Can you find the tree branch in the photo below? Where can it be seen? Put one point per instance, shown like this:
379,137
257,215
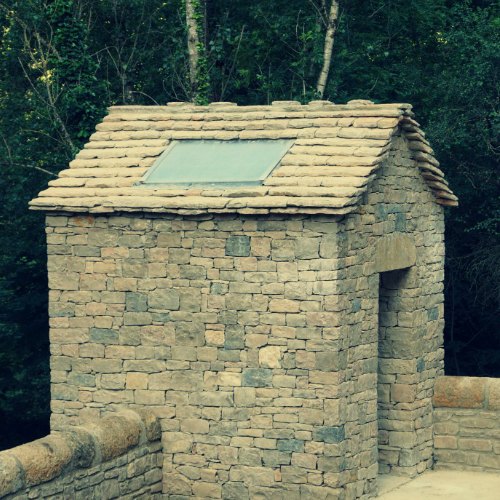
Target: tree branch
33,167
226,83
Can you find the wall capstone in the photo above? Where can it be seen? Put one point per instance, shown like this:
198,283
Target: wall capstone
76,447
467,423
461,392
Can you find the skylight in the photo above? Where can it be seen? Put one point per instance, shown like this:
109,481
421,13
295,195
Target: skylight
216,163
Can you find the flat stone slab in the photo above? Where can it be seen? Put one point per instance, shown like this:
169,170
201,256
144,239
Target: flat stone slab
441,484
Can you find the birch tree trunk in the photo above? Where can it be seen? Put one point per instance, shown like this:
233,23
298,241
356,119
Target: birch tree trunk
198,74
328,48
193,42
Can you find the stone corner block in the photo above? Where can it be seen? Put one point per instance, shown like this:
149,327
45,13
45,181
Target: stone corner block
334,434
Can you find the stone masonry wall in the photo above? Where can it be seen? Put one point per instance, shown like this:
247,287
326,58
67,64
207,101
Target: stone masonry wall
255,340
119,456
467,423
392,326
226,327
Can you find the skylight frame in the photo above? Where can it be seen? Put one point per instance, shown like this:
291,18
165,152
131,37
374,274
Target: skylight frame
275,160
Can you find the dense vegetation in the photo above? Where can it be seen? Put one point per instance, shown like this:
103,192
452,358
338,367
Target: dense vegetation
63,61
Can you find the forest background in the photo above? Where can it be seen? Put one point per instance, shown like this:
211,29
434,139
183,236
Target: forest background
62,62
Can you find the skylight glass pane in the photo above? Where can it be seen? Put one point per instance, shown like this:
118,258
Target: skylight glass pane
208,162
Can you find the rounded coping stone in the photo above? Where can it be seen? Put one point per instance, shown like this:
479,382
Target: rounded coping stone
151,424
178,104
11,474
286,103
319,103
221,104
360,102
467,392
459,392
115,434
493,394
76,447
43,459
83,444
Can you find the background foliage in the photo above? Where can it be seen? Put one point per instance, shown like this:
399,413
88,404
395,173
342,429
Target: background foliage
62,62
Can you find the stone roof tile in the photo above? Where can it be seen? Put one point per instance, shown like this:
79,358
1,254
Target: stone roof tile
337,150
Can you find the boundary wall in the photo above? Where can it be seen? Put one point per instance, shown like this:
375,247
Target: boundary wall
467,423
117,456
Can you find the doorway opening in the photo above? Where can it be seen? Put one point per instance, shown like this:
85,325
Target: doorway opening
392,350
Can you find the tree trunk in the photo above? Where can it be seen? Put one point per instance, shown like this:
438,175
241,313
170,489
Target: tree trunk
328,48
198,74
193,41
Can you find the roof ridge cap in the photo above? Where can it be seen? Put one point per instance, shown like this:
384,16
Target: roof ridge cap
275,105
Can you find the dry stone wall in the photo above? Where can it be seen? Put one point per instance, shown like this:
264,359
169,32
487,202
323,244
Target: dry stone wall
392,324
118,456
255,339
226,327
467,423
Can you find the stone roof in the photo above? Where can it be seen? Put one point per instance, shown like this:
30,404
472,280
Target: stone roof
336,153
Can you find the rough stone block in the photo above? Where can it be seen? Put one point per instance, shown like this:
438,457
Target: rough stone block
257,377
164,299
307,248
293,475
212,398
229,379
234,337
238,246
235,491
103,335
447,442
304,460
190,300
189,334
207,490
271,458
136,302
149,397
244,396
402,439
475,444
178,380
403,393
490,461
331,360
270,357
195,426
334,434
136,381
290,445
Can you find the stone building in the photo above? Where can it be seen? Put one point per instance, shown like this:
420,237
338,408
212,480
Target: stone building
267,279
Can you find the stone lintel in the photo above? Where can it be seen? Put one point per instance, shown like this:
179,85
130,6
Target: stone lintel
395,251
